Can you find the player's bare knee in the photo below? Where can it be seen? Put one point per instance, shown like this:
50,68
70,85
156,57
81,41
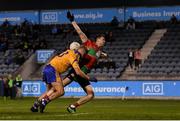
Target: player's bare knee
90,95
60,92
89,92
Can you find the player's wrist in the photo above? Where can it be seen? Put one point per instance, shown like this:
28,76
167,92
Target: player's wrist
88,77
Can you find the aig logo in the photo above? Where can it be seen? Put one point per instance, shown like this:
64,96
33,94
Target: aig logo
43,55
31,88
49,17
152,88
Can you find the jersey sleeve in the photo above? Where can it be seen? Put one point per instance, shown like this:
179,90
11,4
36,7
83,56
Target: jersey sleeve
87,43
74,61
92,61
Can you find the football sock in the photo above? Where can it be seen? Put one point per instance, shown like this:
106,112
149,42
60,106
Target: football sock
36,104
75,105
45,100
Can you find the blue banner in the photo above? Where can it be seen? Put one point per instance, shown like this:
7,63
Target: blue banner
154,13
112,88
43,55
17,17
82,16
33,88
91,15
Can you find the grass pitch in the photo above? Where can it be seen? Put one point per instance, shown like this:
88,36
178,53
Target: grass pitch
104,109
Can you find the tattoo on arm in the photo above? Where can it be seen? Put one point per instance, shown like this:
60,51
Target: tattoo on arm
79,31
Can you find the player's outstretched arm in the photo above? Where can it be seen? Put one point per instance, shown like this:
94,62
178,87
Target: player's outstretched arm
81,34
81,73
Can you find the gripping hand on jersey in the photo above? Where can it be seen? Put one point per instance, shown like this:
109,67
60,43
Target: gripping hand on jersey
70,16
92,79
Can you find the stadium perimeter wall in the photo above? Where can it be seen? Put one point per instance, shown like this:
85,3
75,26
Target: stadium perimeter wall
136,89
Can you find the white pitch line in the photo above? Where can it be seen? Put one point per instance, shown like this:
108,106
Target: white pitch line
75,114
59,115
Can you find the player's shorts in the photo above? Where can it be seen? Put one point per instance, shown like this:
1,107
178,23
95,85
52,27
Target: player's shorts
50,75
80,80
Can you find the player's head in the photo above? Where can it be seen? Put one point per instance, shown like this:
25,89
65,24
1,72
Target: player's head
100,40
74,46
82,50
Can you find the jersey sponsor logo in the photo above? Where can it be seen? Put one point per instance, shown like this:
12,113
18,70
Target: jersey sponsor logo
31,88
50,17
153,89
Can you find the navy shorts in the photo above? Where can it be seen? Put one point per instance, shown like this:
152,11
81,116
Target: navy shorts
50,75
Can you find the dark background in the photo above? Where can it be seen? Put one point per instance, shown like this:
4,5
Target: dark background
65,4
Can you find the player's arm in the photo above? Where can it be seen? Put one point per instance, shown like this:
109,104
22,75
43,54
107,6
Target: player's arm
81,73
81,34
74,63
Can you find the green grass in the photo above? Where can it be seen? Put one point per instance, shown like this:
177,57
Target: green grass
103,109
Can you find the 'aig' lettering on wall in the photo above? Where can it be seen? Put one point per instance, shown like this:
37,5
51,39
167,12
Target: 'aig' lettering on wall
152,89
